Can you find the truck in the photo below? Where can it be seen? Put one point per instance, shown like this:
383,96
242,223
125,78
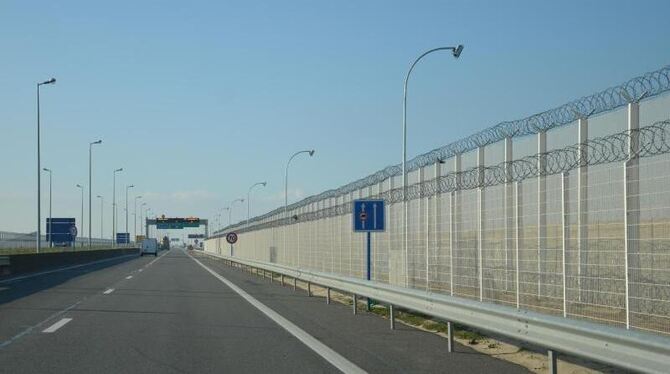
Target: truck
149,246
165,245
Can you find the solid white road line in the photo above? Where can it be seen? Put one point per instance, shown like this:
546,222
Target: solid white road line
62,269
56,325
129,277
108,291
311,342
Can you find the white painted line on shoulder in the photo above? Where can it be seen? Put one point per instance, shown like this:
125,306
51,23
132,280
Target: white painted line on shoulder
311,342
108,291
56,325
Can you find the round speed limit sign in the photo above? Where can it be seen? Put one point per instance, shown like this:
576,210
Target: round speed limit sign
231,238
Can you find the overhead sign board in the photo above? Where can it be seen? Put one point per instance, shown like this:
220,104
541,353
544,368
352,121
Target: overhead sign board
166,223
196,236
368,215
61,230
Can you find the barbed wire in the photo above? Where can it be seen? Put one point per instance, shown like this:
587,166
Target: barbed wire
647,85
652,140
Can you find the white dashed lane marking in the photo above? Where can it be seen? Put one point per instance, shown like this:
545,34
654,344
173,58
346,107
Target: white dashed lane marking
56,325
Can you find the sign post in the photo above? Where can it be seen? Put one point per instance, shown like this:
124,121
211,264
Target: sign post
231,238
368,216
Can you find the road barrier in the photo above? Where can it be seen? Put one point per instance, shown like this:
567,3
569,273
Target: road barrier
28,263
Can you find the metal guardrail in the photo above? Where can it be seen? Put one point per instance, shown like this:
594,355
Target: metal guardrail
626,349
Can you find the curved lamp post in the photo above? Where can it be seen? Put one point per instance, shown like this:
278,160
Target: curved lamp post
249,198
456,52
90,186
39,168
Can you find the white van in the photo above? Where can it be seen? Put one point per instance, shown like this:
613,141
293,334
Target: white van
149,246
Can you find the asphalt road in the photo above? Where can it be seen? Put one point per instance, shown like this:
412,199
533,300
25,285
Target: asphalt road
172,315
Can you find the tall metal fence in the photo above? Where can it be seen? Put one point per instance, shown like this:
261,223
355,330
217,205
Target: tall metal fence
566,212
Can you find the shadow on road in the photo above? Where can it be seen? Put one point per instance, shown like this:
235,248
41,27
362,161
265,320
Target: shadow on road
11,290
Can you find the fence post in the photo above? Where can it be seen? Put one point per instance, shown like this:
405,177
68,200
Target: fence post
457,211
582,201
421,224
632,200
437,218
452,239
480,209
508,209
564,223
541,204
517,220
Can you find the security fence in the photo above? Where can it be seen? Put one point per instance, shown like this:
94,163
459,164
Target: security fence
566,212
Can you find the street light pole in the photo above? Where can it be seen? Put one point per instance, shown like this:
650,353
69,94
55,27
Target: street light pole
114,213
141,215
102,200
230,209
90,187
249,198
50,216
81,225
39,169
456,52
230,215
311,153
127,188
135,215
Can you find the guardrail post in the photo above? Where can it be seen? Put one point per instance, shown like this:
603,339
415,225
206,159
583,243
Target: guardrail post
281,280
450,336
309,289
328,295
541,204
553,362
392,316
355,302
272,277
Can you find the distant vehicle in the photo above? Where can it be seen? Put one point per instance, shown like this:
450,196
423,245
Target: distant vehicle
165,245
190,247
149,246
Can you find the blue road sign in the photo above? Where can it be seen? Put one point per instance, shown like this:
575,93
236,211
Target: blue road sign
122,238
369,215
60,230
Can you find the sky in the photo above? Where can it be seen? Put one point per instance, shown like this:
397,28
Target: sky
198,100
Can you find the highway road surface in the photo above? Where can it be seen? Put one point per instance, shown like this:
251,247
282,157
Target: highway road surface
182,313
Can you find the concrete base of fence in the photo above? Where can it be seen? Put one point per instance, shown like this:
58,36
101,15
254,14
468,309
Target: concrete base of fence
13,265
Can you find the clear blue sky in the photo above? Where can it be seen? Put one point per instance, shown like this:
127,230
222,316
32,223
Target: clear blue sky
198,100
